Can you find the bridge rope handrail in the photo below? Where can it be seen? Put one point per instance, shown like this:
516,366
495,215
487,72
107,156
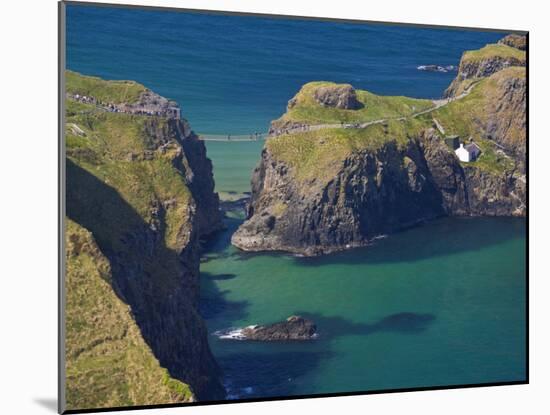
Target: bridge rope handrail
233,137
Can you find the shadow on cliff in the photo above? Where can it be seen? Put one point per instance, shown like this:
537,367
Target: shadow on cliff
441,237
145,276
216,246
214,301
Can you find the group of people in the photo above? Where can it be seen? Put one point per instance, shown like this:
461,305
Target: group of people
252,137
122,108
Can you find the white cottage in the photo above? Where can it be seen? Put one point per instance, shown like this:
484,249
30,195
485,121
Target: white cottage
468,152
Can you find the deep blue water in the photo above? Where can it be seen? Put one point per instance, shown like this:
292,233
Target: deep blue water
442,304
234,74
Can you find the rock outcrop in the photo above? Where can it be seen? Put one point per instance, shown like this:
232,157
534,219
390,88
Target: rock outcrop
331,189
506,121
143,187
293,328
119,96
338,96
371,194
483,63
515,41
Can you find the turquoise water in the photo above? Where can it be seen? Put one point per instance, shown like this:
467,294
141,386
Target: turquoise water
233,164
441,304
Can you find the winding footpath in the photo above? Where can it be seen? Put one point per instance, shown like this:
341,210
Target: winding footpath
438,103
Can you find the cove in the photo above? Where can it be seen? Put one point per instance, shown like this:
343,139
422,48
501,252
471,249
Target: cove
439,304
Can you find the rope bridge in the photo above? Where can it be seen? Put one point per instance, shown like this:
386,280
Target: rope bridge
231,137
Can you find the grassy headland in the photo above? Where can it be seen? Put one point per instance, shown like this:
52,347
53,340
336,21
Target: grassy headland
307,110
116,92
319,152
121,183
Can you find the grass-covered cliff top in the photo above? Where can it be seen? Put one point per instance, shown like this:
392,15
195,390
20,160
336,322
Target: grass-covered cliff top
494,51
108,362
116,148
118,167
115,92
307,109
319,153
467,117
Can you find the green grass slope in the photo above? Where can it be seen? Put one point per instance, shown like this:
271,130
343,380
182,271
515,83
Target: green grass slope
318,153
115,92
494,51
116,149
108,363
121,181
308,110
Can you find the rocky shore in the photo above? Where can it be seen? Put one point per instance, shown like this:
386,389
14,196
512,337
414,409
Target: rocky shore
152,191
294,328
325,190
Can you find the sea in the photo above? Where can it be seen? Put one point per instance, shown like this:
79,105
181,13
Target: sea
437,305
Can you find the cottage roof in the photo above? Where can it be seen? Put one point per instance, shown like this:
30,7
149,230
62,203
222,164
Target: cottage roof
472,148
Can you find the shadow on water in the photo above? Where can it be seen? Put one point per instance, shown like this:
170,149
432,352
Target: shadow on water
214,302
216,246
441,237
256,374
266,369
405,322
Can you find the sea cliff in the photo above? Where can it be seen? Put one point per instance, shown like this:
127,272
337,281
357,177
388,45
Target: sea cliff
140,197
340,170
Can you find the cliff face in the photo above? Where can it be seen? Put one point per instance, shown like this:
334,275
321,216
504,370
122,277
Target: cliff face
142,187
108,362
371,193
326,187
507,113
515,41
483,63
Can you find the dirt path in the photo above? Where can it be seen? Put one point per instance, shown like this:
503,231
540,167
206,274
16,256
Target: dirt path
438,103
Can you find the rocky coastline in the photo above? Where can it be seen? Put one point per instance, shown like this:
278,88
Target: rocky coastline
294,328
152,208
317,192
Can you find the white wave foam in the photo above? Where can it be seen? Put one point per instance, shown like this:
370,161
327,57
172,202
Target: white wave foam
232,333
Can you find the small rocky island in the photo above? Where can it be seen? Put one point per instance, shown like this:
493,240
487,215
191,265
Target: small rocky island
293,328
